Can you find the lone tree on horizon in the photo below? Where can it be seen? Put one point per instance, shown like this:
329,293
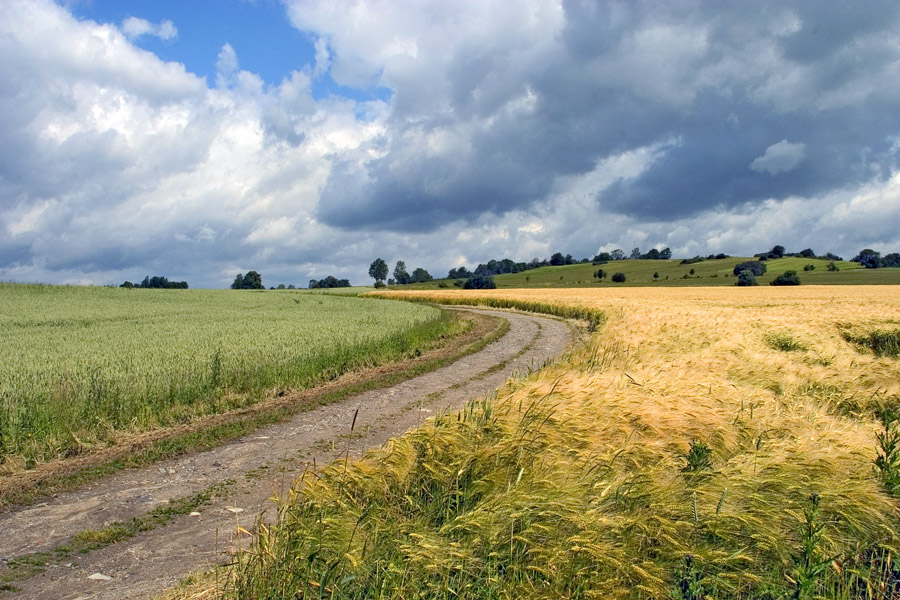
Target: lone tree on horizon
250,281
378,270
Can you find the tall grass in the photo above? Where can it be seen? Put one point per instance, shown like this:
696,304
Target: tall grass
677,455
880,342
79,366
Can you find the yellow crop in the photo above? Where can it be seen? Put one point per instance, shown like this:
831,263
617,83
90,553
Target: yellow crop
702,443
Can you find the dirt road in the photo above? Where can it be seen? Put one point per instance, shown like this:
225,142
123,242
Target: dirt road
252,469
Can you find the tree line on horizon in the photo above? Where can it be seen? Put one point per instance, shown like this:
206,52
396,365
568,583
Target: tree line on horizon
378,270
157,282
484,272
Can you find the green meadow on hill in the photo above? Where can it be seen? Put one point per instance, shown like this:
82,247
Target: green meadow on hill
708,272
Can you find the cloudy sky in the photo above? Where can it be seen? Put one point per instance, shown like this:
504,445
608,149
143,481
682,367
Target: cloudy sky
301,139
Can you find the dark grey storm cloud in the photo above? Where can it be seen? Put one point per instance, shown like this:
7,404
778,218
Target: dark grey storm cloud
727,81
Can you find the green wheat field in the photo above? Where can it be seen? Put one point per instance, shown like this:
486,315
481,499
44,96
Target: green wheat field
80,366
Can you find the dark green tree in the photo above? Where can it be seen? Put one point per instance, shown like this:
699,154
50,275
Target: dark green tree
870,259
480,283
745,278
459,273
159,282
401,276
786,278
378,270
252,281
618,277
754,266
328,282
238,282
420,275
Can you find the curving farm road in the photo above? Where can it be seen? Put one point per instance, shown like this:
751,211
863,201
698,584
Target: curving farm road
256,467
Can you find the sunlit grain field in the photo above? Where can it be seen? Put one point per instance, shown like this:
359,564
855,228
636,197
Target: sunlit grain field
702,443
79,366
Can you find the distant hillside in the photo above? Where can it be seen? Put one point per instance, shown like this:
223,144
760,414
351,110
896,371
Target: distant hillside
674,273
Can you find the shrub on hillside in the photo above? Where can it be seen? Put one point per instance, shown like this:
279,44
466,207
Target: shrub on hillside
832,267
787,278
868,258
755,267
618,277
480,283
600,274
745,278
809,267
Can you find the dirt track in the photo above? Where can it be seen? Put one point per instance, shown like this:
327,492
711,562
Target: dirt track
259,465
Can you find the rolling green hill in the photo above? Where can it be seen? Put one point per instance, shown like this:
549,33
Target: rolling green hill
673,273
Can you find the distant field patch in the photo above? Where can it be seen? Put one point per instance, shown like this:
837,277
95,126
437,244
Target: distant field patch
78,365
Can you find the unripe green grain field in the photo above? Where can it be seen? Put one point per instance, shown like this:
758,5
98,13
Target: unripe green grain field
80,366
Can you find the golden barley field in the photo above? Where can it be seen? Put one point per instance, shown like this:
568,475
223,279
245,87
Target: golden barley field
700,443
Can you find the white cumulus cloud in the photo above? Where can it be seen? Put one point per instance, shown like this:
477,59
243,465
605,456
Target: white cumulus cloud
779,158
135,27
